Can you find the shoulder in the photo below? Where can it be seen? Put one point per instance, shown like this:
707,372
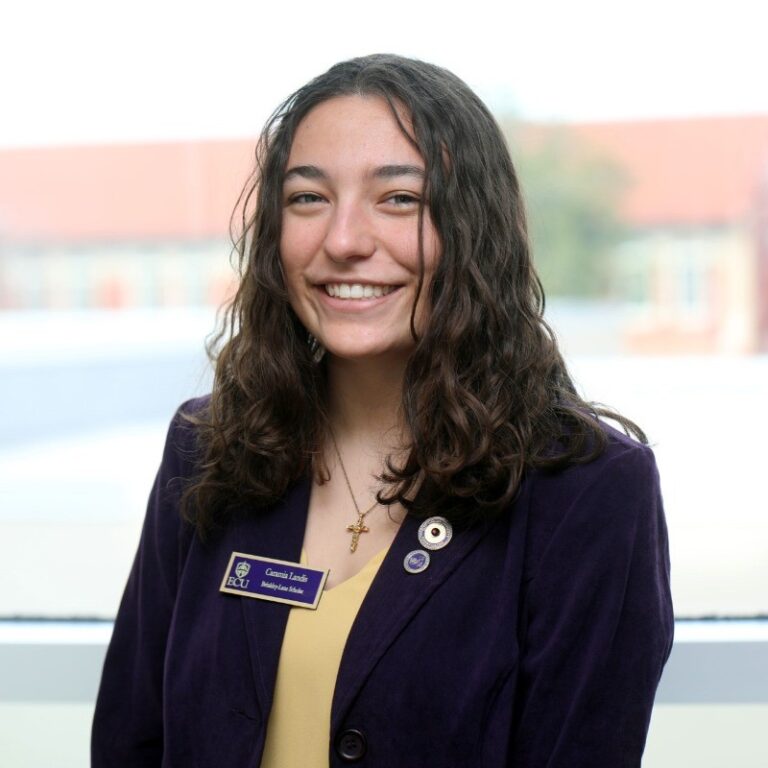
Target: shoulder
195,405
603,501
181,442
190,411
181,454
623,459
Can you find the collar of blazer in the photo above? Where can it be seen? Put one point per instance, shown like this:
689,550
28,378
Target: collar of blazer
393,599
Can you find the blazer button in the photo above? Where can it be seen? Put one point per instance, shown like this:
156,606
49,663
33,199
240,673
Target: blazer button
351,745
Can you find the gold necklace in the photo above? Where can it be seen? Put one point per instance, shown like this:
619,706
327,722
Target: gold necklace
359,526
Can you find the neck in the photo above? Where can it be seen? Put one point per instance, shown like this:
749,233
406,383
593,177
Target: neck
365,399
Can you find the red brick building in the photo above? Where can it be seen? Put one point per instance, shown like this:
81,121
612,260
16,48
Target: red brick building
118,225
696,202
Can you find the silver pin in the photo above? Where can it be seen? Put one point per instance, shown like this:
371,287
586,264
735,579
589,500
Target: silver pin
435,533
416,561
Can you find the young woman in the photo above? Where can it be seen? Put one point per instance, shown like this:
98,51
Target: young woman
394,534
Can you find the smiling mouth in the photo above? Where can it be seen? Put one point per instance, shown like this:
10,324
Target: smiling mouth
357,290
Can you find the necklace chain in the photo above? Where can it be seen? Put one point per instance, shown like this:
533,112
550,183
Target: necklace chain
359,526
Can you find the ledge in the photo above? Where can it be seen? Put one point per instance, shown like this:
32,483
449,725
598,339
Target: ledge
712,662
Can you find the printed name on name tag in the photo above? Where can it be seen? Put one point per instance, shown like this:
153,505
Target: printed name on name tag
276,580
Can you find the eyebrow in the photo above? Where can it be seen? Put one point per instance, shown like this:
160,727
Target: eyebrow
382,172
392,171
305,172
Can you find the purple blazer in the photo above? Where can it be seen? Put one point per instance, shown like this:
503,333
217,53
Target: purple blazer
534,641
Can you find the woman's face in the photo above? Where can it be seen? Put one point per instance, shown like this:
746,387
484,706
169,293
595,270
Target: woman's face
350,235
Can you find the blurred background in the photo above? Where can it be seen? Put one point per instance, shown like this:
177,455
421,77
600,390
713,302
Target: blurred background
640,132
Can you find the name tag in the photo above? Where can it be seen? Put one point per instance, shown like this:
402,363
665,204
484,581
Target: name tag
276,580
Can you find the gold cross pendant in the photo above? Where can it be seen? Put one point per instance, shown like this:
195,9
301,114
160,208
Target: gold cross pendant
356,529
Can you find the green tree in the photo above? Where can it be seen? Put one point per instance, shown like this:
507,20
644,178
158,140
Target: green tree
572,196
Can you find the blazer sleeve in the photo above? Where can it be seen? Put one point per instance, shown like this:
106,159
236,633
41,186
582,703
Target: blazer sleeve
127,726
597,621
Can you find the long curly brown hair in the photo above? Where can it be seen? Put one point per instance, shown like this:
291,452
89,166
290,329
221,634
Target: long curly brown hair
486,394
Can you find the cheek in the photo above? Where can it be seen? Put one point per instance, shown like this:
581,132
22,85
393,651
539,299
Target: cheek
292,255
405,247
295,238
287,250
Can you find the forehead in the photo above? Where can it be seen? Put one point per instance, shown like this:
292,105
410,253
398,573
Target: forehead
353,131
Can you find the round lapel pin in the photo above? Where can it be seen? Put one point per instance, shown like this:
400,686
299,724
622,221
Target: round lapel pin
416,561
435,533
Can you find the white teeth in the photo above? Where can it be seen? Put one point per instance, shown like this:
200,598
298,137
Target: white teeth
357,290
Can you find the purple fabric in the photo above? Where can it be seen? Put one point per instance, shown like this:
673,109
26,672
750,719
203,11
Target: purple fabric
536,641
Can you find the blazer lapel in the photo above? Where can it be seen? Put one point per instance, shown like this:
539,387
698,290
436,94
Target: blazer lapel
275,533
394,597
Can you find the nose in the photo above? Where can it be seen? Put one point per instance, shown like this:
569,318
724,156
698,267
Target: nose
350,233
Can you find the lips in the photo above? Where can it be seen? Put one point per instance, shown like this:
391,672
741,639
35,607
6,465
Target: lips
357,290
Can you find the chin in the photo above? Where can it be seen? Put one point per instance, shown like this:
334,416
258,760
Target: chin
370,352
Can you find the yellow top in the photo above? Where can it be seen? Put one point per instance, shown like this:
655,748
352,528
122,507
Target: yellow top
299,731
